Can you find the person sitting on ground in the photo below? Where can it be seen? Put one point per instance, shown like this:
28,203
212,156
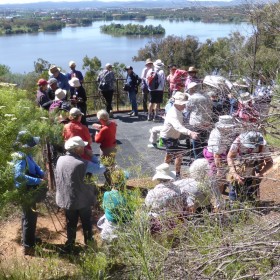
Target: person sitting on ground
76,128
79,98
52,88
115,206
106,136
30,179
106,80
173,128
164,201
246,111
62,80
156,94
219,142
248,160
42,98
59,103
72,194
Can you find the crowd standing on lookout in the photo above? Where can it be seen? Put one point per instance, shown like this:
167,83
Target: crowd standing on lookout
213,122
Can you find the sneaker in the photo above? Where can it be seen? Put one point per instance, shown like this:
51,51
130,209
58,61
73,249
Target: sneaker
153,145
28,251
134,114
130,113
149,118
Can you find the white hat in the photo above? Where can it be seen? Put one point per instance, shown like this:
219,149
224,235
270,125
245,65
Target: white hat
53,68
107,65
158,63
163,172
252,139
193,85
72,63
60,94
180,98
75,112
225,121
74,82
74,142
217,81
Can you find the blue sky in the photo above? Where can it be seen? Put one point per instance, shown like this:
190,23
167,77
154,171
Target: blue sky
35,1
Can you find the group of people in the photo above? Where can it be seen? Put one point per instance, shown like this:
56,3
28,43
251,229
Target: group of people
220,122
217,120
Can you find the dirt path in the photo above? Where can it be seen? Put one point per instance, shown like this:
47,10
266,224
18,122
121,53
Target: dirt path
51,228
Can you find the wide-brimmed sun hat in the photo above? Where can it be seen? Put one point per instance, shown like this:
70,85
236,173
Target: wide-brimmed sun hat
148,61
74,82
163,172
225,121
60,94
107,65
252,139
158,63
180,98
193,85
53,68
74,142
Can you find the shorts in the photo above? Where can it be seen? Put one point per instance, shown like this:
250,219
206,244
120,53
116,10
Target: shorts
156,96
172,146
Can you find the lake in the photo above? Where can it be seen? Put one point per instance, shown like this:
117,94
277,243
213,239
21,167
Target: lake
73,43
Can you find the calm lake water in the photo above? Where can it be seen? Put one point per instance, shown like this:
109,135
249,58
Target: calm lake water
73,43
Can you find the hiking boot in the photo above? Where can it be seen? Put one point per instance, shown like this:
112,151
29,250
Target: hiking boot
149,118
134,114
130,113
111,115
29,251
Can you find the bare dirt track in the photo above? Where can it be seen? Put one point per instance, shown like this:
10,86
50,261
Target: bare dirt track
51,224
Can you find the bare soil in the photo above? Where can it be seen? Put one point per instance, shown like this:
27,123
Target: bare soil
51,224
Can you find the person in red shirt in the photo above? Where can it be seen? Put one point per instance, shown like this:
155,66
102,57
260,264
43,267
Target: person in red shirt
106,135
76,128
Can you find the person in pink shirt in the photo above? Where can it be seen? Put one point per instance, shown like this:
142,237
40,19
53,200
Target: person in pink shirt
176,79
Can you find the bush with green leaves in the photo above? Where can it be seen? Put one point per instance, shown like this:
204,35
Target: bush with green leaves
18,112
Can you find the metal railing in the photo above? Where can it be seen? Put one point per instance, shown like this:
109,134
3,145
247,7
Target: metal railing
120,102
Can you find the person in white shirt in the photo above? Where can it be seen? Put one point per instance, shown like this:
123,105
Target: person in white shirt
172,129
200,110
156,94
144,86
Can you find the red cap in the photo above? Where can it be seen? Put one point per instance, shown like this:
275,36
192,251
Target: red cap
42,82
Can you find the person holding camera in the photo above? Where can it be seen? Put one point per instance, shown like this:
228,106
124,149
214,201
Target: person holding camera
131,86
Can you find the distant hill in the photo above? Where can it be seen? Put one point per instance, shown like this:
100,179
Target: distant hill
121,5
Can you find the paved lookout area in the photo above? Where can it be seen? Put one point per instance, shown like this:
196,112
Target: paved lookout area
133,139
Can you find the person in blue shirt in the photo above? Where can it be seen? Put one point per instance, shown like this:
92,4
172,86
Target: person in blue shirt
28,176
62,80
131,86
